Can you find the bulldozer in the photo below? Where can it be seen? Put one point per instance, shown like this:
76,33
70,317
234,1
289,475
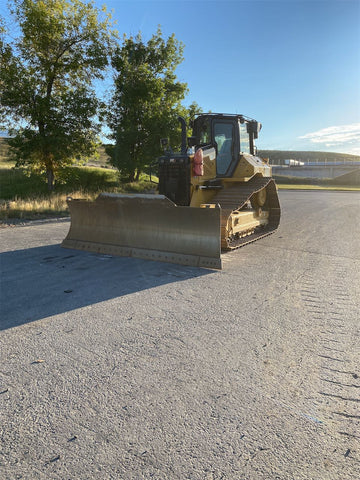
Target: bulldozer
214,195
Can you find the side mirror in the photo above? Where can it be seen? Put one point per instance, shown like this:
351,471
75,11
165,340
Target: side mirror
254,127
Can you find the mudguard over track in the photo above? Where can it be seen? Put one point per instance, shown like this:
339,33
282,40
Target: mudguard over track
146,226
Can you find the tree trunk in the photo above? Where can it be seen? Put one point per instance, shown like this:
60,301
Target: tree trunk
137,175
47,157
50,179
132,176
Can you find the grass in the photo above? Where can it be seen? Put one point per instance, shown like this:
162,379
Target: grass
33,208
289,186
25,196
16,182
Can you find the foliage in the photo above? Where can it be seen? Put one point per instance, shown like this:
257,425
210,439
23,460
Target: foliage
146,100
46,76
4,150
190,112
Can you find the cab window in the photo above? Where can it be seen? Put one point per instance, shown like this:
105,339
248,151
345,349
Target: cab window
223,135
244,139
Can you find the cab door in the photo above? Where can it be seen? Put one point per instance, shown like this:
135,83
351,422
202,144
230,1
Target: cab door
224,137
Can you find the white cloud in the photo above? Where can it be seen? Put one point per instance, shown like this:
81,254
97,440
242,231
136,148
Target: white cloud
346,137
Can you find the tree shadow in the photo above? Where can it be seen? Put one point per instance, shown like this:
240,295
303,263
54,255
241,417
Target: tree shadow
40,282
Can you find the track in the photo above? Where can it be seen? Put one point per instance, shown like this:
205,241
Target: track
234,198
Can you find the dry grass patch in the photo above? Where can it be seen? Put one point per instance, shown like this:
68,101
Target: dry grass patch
40,207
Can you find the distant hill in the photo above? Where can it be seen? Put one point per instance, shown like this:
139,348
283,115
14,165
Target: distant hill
278,157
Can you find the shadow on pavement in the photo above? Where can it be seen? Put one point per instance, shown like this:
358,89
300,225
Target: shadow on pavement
44,281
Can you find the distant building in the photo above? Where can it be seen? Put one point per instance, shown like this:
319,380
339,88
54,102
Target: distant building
293,163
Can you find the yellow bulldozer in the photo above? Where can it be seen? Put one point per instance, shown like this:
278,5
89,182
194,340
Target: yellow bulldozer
214,195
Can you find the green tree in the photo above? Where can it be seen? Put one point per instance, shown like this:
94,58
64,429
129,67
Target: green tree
47,99
189,113
146,101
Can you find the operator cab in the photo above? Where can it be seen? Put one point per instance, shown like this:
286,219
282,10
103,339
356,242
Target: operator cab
231,135
223,140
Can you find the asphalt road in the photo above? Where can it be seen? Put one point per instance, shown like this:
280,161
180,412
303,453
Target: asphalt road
120,368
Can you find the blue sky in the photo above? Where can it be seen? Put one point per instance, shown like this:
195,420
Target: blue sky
293,65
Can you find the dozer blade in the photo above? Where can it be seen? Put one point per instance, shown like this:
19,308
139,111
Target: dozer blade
146,226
